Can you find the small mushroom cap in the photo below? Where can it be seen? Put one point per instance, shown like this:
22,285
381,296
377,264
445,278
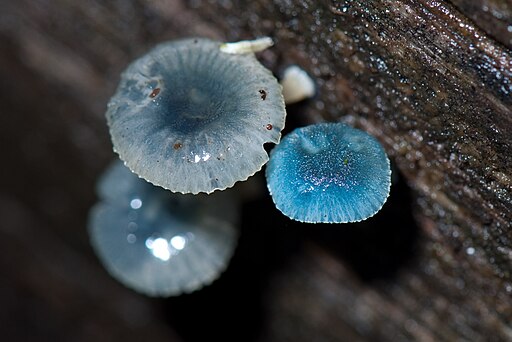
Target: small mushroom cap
157,242
328,173
297,85
192,119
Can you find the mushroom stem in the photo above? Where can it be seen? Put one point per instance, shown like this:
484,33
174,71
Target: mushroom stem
247,46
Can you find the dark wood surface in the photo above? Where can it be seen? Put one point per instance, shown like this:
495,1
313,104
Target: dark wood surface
432,80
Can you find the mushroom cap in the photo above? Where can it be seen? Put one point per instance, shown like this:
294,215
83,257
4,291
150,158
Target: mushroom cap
192,119
328,173
157,242
297,85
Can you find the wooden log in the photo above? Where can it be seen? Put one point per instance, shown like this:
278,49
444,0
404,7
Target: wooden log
432,80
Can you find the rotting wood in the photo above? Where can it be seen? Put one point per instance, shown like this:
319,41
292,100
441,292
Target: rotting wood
429,83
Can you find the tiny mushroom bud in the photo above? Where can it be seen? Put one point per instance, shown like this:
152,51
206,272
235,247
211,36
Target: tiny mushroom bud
191,118
247,46
297,85
157,242
328,173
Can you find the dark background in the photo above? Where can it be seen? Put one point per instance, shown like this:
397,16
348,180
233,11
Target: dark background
434,264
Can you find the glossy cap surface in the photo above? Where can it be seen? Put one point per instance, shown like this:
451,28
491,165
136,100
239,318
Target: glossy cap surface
328,173
157,242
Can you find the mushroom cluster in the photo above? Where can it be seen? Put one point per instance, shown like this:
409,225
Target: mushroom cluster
191,117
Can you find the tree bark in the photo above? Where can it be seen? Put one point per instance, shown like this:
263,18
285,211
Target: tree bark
432,80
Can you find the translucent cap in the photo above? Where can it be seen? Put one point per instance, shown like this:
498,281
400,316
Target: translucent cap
157,242
191,118
329,173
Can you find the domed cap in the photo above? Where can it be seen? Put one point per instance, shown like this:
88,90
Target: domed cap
297,85
157,242
191,118
328,173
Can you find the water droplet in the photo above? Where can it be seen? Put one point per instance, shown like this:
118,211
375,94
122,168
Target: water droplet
136,203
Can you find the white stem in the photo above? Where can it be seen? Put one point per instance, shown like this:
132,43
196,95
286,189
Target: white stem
247,46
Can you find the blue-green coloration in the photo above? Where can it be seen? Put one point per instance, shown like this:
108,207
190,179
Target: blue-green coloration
157,242
192,119
328,173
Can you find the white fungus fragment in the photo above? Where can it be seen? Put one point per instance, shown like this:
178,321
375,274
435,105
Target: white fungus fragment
247,46
297,85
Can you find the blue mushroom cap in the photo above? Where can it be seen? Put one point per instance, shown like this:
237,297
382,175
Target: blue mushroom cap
328,173
191,118
157,242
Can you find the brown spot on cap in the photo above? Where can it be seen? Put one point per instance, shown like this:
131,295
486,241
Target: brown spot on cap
269,127
177,146
263,94
155,92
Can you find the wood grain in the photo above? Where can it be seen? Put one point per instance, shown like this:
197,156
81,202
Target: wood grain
432,80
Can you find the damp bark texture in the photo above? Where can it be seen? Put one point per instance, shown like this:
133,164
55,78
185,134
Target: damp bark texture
431,80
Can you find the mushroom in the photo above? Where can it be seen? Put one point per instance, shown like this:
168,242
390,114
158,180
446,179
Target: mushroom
297,85
157,242
247,46
191,118
328,173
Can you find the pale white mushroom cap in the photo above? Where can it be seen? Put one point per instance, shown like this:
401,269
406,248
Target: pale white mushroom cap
191,118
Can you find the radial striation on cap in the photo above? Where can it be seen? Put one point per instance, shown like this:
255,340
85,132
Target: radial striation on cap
157,242
328,173
191,118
